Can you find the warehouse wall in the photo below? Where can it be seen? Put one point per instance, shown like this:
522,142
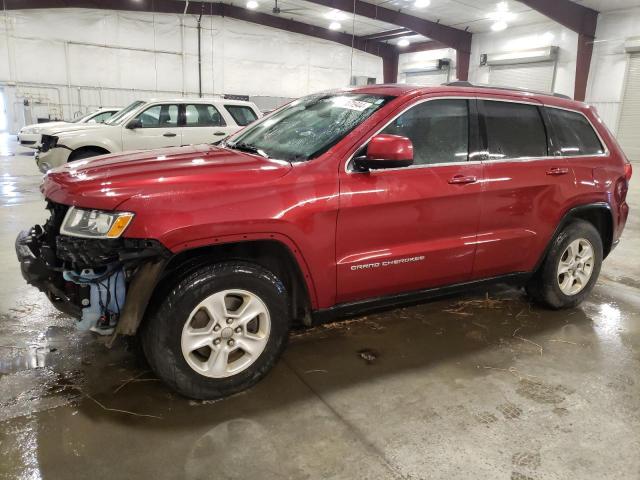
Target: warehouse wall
524,38
417,60
609,63
68,61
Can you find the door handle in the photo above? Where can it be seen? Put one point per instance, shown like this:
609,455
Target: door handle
462,179
168,134
557,171
219,134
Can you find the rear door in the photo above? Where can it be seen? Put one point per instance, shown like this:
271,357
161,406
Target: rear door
159,128
525,188
203,123
412,228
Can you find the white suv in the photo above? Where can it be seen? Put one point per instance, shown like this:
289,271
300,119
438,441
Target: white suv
146,125
29,135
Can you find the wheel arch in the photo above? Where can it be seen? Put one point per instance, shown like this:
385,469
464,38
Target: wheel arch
97,148
597,214
270,253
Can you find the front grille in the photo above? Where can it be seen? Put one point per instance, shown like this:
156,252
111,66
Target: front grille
48,142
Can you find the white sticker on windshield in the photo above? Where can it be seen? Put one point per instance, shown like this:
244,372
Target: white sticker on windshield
357,105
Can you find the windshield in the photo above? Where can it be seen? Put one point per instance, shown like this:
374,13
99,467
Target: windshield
125,111
308,127
81,119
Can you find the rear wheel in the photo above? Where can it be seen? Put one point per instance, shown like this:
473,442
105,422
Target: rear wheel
219,330
570,269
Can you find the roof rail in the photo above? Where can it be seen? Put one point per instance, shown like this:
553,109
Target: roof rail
461,83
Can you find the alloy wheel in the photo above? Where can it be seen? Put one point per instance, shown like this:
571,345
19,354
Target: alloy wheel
226,333
575,267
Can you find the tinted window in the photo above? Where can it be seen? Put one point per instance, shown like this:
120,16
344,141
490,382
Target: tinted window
241,114
159,116
573,133
514,130
439,130
201,115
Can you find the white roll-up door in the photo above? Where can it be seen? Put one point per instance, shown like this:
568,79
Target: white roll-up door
629,124
430,79
529,76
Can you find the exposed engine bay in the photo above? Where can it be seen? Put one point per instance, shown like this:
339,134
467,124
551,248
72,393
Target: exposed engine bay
86,278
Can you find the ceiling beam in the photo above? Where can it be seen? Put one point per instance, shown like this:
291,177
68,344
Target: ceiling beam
452,37
389,34
422,47
215,9
578,18
581,20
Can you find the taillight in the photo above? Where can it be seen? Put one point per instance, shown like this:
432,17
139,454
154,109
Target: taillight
628,170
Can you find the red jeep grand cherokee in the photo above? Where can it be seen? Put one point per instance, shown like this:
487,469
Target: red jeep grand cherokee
337,203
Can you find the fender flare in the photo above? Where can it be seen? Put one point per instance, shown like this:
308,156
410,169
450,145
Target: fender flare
569,215
286,241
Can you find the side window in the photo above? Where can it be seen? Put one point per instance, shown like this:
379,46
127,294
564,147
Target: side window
438,129
514,130
102,117
159,116
202,115
573,133
242,115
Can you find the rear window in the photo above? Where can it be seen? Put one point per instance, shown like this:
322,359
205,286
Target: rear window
243,115
574,134
514,130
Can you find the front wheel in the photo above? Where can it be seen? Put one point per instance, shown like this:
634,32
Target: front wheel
219,330
570,269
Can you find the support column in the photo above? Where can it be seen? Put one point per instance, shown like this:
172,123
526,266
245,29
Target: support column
583,64
462,65
390,68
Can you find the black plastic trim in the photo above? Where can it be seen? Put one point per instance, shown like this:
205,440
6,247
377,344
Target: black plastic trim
350,309
566,218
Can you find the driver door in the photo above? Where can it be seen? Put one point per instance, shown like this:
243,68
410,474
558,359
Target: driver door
413,228
158,128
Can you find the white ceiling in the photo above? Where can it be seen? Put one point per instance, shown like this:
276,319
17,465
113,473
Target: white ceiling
473,15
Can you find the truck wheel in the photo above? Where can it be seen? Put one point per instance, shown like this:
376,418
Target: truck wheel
570,269
219,330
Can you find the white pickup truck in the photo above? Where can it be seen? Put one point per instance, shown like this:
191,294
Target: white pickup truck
145,125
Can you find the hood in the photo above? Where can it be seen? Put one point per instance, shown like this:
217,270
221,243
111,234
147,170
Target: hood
73,128
38,127
106,181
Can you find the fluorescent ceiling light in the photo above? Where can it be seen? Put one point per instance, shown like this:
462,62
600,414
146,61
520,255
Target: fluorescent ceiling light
422,3
499,26
404,42
252,4
335,26
335,15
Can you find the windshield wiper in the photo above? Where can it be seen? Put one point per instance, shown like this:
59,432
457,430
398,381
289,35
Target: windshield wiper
245,147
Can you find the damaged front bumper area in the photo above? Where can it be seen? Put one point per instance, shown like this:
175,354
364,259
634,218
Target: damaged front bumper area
102,283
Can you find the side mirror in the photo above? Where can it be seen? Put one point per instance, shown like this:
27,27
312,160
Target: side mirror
135,123
91,121
385,151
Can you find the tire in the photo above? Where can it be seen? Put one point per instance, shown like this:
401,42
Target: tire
193,306
558,290
84,153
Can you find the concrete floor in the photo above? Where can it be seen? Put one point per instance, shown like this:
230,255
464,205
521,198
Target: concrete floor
466,387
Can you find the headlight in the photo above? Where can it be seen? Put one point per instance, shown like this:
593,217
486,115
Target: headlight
79,222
